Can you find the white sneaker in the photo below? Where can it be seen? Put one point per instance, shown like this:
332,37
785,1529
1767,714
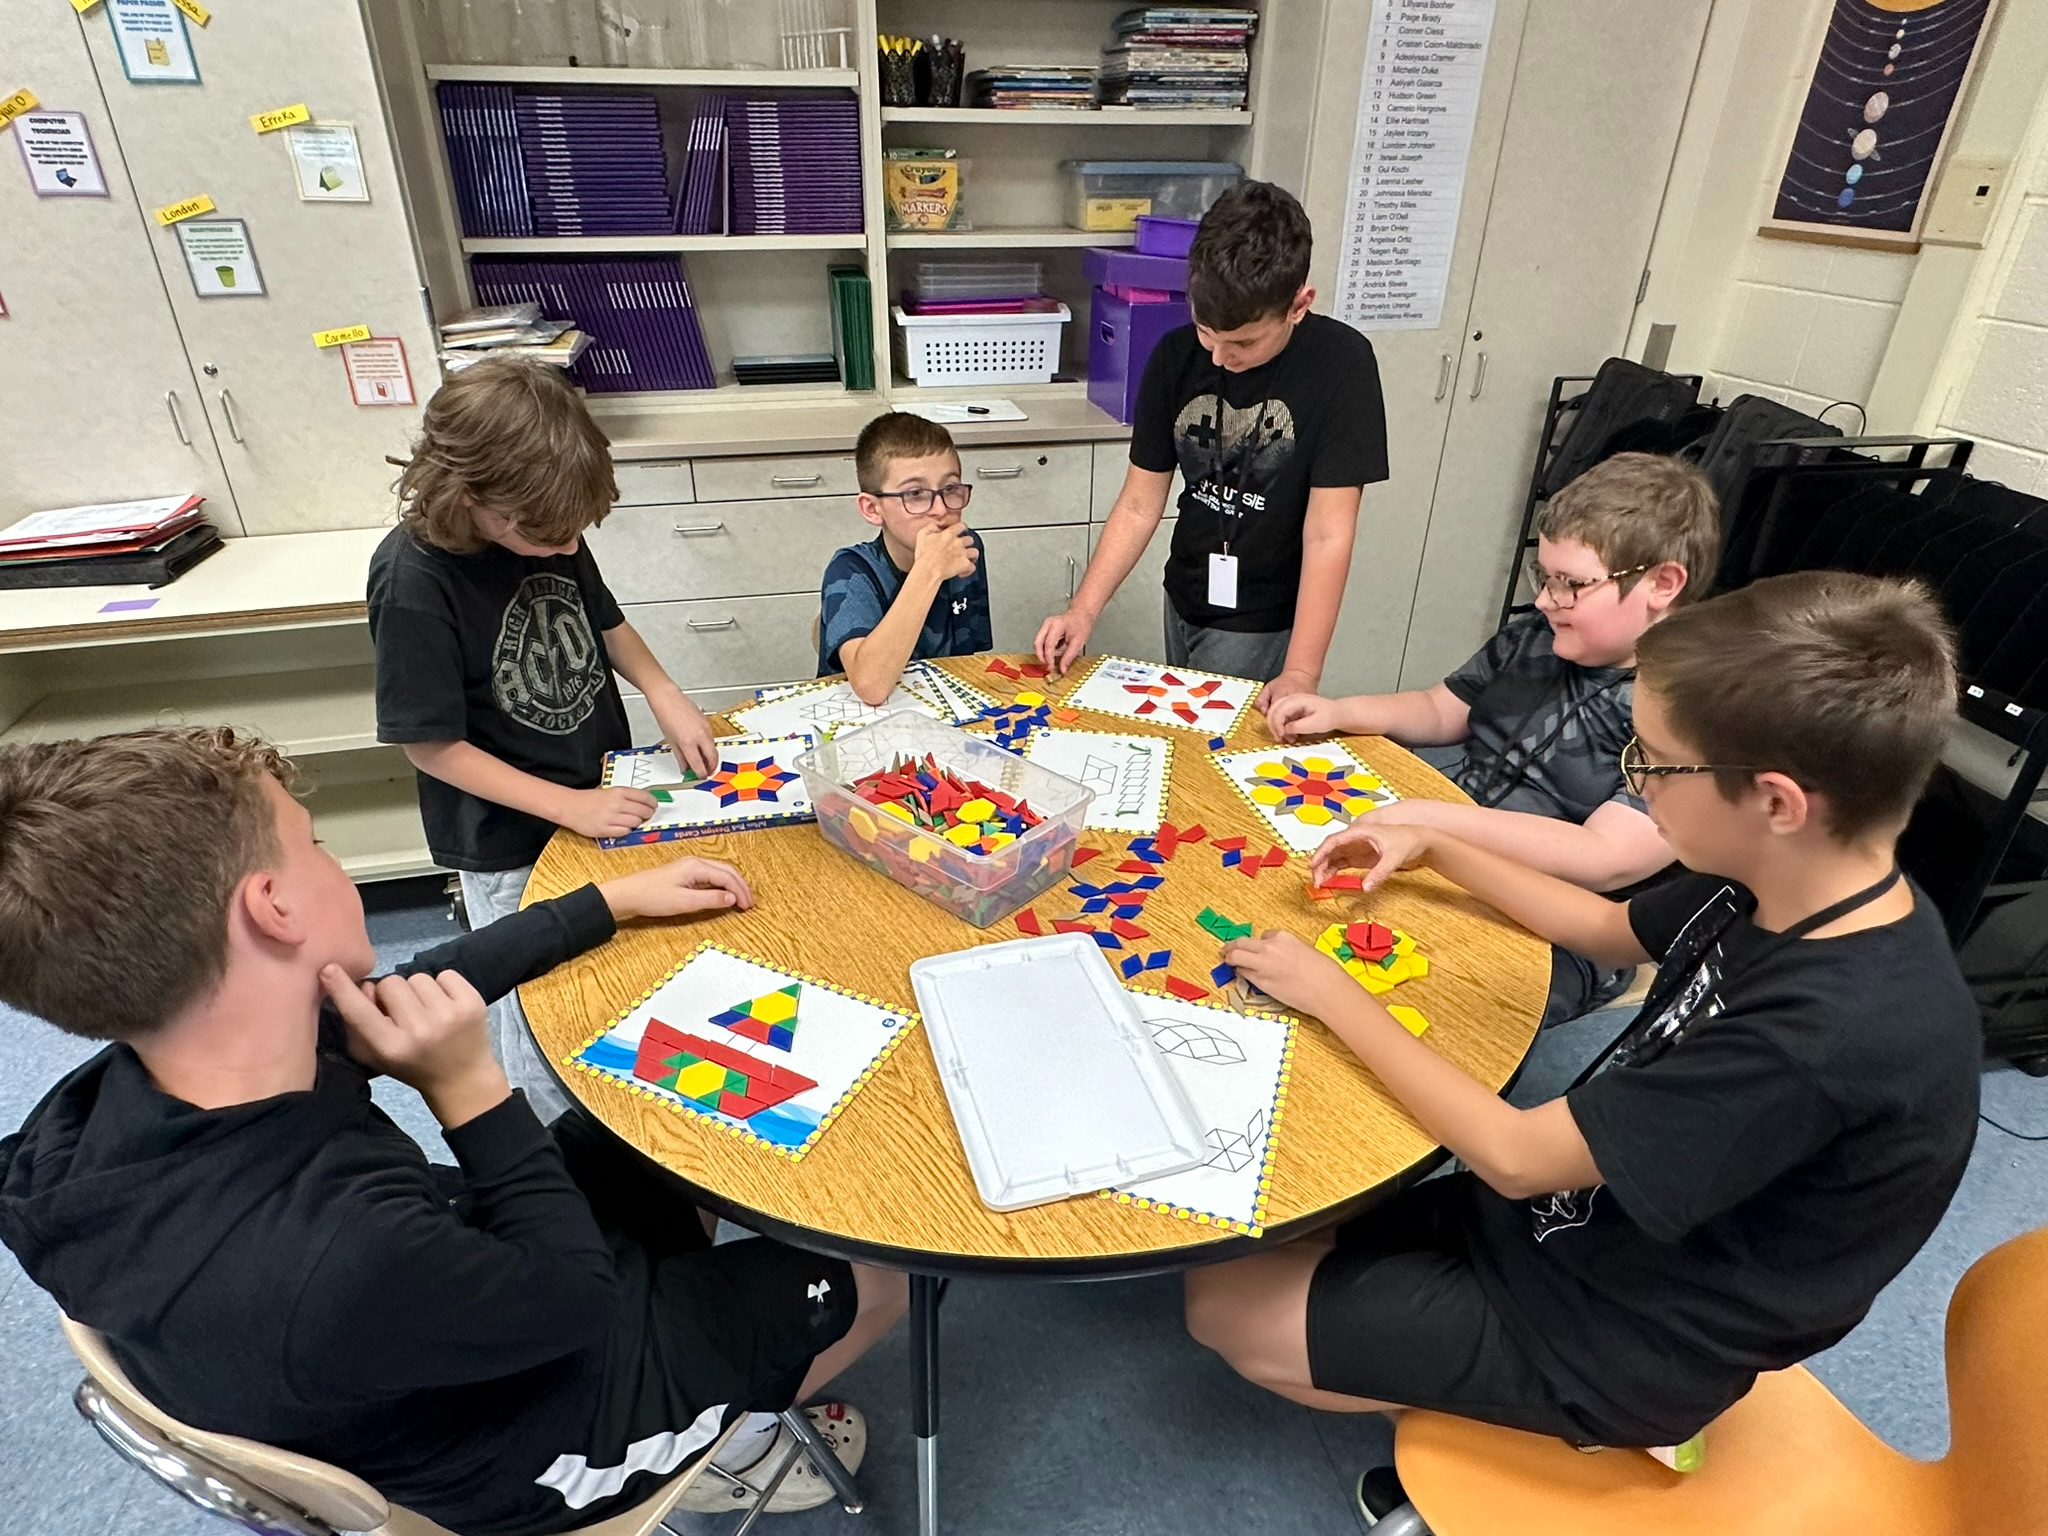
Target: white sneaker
840,1425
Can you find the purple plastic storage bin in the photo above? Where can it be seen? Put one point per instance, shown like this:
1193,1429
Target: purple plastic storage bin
1128,269
1166,237
1121,336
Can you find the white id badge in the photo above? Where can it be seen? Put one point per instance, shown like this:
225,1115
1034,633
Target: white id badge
1223,581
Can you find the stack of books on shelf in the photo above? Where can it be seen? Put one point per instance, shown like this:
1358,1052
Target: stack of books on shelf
787,368
593,164
509,330
853,328
124,543
1032,85
637,311
700,190
481,128
1179,56
794,165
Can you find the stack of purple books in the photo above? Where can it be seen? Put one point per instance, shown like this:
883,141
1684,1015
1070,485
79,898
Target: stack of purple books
637,311
481,128
700,190
593,164
795,165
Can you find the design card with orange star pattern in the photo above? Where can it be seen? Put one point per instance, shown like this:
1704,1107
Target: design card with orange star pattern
756,784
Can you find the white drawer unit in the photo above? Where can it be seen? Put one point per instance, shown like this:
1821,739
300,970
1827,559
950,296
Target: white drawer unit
1032,573
723,548
739,642
642,482
1134,622
759,479
1028,485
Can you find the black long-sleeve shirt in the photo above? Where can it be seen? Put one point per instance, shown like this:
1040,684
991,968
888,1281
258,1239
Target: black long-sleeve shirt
294,1271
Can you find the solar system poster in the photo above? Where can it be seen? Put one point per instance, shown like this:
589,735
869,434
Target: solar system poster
1876,116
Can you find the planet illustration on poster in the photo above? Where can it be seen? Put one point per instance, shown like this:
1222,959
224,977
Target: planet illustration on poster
1888,79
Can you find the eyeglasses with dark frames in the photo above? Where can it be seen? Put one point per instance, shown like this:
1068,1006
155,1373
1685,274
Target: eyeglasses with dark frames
1565,591
919,500
1636,771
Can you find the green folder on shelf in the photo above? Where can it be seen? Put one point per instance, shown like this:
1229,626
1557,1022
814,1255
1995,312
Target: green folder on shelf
852,327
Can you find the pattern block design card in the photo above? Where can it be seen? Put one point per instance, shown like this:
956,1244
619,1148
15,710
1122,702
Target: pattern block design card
1129,774
766,1055
1178,696
755,785
1305,794
1233,1068
823,709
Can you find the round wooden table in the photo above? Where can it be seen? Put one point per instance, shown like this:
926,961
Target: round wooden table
889,1184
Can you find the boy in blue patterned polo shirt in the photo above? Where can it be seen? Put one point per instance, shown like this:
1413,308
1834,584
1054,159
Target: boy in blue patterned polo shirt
920,589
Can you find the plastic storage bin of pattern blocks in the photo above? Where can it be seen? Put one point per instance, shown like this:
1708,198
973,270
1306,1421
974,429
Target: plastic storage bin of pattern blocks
979,888
1110,194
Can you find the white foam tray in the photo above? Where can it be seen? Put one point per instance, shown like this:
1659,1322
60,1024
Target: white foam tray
1053,1079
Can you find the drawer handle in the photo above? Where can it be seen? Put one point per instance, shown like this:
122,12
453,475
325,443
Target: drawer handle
653,464
701,625
817,479
696,530
990,472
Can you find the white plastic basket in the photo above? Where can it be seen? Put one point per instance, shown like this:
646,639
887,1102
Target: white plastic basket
980,349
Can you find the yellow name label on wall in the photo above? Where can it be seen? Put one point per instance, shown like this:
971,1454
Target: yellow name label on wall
82,6
337,337
194,9
170,213
11,107
283,117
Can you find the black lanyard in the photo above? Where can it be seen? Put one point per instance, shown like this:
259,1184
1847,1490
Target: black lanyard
1230,507
1660,994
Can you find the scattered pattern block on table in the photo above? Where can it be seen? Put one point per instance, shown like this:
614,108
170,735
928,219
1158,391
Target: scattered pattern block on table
1378,969
1177,696
823,709
1307,794
1233,1068
754,1051
1129,774
755,785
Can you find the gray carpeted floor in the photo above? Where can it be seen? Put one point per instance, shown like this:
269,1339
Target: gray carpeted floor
1074,1409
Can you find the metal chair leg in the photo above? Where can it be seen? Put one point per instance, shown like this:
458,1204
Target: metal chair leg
829,1466
788,1463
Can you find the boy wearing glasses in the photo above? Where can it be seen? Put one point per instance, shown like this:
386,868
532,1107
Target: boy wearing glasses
1542,711
1729,1185
918,590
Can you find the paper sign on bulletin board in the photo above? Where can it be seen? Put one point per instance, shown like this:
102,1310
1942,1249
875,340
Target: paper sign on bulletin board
57,149
154,45
377,371
327,163
220,258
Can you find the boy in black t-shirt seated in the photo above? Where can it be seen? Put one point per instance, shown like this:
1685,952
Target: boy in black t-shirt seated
1274,419
1767,1145
1542,710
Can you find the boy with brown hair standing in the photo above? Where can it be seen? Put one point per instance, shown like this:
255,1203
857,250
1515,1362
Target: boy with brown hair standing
1273,417
1775,1135
496,641
528,1344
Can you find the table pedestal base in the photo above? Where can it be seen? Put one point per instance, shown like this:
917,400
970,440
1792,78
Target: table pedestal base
925,1294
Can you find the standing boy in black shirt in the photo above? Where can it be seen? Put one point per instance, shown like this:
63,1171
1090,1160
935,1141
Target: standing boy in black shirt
1770,1142
496,641
1273,417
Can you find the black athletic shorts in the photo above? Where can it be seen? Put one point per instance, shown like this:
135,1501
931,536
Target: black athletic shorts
700,1327
1396,1313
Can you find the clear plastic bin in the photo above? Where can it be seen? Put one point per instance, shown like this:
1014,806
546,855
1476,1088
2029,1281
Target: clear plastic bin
1111,194
977,888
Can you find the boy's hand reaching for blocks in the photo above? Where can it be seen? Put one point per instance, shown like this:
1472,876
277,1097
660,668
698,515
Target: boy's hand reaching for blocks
1288,968
426,1031
678,889
604,812
1302,714
1381,851
685,729
945,553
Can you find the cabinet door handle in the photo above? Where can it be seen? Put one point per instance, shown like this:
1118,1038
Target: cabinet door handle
1072,571
702,625
1479,377
177,421
989,472
696,530
227,409
795,480
1443,376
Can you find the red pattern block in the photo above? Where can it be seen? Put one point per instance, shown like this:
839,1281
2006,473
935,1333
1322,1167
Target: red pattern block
1134,867
1065,925
1027,922
1186,991
1126,930
1226,844
1083,855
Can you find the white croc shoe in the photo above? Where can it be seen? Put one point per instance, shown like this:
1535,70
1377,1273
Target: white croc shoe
840,1425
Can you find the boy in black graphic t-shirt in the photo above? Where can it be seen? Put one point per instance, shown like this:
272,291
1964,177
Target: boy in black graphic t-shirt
496,641
1273,417
1727,1190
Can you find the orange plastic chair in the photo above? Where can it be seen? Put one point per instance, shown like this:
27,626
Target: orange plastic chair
1786,1459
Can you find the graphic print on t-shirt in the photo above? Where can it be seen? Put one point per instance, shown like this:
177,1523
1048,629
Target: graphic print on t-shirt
1234,464
547,669
1687,990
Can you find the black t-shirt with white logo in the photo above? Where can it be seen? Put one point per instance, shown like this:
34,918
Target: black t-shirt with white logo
1780,1130
505,652
1254,444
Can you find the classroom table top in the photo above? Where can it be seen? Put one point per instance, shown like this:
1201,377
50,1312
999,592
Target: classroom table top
888,1181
